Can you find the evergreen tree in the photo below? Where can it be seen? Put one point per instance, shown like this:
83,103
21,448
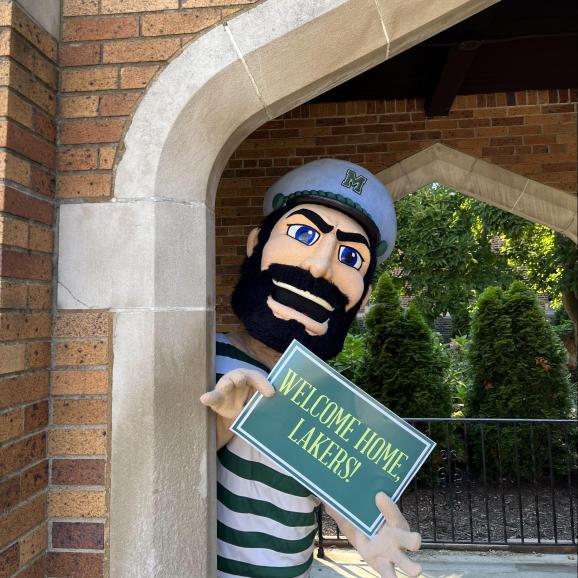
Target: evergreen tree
518,371
516,359
540,384
404,364
490,353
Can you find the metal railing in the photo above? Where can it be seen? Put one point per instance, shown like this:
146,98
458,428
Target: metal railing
493,482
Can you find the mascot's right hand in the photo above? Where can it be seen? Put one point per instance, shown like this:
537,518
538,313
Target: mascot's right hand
233,391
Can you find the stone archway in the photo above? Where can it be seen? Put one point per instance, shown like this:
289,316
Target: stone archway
487,182
148,254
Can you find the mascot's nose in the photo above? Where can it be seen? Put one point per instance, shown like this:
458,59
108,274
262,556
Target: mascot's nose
320,261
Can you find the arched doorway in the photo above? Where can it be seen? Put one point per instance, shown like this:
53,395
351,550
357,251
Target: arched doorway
147,255
487,182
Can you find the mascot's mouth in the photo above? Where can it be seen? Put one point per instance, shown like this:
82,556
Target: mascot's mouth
311,305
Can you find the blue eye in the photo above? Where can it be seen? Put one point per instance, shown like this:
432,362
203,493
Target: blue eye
350,257
303,233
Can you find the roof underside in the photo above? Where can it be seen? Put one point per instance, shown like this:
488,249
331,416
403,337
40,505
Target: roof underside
513,45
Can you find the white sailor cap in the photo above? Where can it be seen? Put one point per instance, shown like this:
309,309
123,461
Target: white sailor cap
344,186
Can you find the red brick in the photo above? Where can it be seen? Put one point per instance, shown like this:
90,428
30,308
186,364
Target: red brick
19,454
540,139
82,324
89,80
79,7
90,186
149,50
19,326
71,382
78,159
9,493
44,125
179,22
79,54
80,352
72,535
38,354
558,108
137,76
79,106
11,425
91,131
22,519
35,570
24,266
106,156
10,560
508,121
100,28
23,389
563,166
34,479
36,416
69,565
42,181
78,472
79,411
119,104
39,296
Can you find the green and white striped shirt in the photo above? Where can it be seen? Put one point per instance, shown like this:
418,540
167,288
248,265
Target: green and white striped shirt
265,519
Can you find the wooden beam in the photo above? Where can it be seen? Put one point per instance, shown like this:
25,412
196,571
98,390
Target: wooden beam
458,62
455,70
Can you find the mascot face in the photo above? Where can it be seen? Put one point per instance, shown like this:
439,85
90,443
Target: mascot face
306,282
329,245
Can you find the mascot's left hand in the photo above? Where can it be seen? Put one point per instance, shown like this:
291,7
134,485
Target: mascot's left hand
387,548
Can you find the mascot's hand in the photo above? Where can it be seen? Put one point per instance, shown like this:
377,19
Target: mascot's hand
231,393
387,548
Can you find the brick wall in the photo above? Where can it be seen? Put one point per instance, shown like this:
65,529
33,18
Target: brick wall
532,133
78,444
28,83
110,51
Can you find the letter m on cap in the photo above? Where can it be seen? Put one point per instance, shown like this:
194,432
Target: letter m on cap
354,181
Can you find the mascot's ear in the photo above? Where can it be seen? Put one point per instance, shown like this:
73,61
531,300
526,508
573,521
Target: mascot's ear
366,298
252,241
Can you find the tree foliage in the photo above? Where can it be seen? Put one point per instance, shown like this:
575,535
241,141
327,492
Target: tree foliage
444,256
517,362
404,365
518,369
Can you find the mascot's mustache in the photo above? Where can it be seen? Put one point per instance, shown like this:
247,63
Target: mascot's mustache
299,289
249,301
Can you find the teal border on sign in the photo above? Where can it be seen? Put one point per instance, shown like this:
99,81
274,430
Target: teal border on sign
237,428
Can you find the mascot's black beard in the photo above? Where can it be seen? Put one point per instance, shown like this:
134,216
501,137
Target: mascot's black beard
249,303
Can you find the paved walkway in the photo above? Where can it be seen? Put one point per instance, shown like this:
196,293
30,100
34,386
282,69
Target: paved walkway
345,563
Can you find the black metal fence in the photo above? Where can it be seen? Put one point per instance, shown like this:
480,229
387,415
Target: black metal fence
492,482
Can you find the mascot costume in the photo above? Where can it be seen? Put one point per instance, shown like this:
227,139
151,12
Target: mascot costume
307,273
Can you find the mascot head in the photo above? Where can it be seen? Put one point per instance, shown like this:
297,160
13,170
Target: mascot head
309,265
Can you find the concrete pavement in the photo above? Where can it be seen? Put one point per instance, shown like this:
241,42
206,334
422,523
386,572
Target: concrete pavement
346,563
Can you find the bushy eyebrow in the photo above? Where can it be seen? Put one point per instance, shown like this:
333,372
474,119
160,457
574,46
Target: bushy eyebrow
315,219
352,238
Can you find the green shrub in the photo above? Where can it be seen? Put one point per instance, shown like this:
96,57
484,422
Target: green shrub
350,356
518,371
404,364
458,375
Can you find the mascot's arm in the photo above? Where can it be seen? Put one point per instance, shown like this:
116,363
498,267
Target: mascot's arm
386,549
231,393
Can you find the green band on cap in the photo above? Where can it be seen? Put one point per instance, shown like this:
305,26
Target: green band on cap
279,200
381,248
